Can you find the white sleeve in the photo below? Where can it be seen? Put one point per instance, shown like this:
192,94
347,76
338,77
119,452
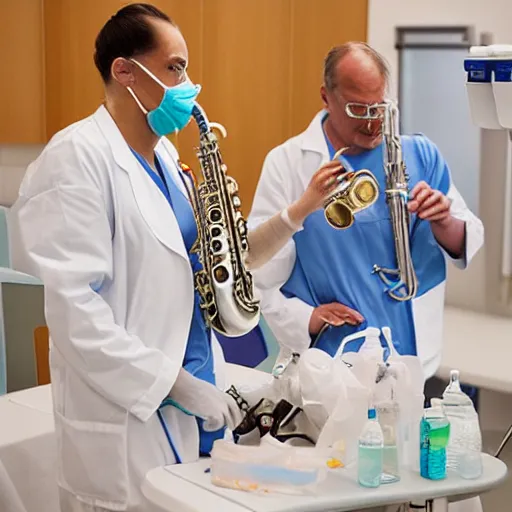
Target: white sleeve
288,318
474,228
61,233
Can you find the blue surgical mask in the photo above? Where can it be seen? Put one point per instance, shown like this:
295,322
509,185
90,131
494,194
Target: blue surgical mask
175,109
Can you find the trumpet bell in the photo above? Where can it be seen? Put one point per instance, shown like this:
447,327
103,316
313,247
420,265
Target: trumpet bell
356,192
365,192
338,215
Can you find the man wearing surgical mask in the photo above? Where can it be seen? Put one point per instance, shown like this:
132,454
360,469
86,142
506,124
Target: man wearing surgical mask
104,220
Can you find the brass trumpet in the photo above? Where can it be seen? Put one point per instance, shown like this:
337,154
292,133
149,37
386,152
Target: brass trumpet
356,191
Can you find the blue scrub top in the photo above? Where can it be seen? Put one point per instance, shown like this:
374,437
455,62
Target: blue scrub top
198,358
336,265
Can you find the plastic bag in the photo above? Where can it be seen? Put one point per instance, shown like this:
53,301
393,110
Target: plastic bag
408,392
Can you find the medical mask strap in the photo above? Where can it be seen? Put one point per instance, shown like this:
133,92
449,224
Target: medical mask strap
148,72
134,96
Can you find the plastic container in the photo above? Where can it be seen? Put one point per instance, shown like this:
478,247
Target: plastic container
434,437
370,459
408,391
479,68
465,445
502,82
270,467
389,420
371,346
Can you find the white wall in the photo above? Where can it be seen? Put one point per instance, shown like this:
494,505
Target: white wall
384,15
471,288
477,287
14,160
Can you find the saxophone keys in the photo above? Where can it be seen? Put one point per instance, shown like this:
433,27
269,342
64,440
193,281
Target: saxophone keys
215,215
242,227
236,202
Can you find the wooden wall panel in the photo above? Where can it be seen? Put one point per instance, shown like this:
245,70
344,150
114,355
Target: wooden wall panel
246,47
317,27
22,72
73,84
260,65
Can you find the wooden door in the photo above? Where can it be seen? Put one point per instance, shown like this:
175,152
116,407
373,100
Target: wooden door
22,105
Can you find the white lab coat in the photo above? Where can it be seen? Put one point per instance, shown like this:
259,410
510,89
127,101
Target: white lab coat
286,174
92,225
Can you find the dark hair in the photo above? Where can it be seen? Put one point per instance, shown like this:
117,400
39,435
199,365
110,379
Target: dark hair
126,34
338,52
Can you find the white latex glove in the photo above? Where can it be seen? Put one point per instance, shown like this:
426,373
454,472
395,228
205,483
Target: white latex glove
203,400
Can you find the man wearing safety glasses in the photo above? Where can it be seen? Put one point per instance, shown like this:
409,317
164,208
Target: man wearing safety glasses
322,281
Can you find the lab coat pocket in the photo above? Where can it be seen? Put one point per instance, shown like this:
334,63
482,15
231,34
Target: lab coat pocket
84,445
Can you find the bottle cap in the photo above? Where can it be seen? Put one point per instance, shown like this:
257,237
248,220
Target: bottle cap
454,375
372,414
436,402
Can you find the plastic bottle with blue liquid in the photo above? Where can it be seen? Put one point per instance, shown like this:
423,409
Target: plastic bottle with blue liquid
434,436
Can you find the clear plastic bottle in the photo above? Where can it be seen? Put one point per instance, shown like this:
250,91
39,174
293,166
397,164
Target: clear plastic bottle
465,444
388,413
371,444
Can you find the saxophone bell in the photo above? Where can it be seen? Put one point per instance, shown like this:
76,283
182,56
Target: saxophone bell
356,191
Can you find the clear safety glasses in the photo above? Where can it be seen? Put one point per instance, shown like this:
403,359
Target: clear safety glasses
179,71
365,111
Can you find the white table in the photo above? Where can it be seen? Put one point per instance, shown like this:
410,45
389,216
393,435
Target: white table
187,488
28,452
480,347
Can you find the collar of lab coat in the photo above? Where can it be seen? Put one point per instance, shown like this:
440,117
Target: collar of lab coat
152,204
313,138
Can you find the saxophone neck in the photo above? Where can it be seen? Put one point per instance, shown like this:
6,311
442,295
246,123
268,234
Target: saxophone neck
200,118
391,134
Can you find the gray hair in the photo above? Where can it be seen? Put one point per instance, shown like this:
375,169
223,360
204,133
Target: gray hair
339,52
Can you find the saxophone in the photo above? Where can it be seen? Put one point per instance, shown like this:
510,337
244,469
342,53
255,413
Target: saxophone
401,283
224,283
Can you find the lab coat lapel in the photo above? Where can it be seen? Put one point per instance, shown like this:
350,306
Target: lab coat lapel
315,152
152,204
313,139
168,154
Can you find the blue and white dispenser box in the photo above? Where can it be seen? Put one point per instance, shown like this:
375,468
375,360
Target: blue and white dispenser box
489,86
502,83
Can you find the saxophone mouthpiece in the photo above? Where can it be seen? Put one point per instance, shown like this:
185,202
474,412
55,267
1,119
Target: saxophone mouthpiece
340,152
220,129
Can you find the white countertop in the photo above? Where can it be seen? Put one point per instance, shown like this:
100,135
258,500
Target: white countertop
28,452
187,488
26,415
480,347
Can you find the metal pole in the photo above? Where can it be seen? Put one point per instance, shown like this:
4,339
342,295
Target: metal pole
505,440
435,505
438,505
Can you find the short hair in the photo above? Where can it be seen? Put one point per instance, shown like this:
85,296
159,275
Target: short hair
337,53
126,34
